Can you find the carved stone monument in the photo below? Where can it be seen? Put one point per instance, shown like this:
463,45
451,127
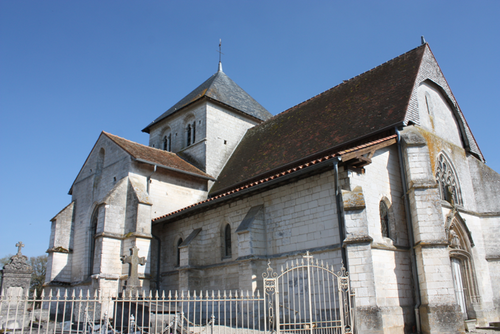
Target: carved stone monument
16,275
134,260
16,280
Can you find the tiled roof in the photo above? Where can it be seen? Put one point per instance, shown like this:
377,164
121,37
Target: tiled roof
367,104
156,156
221,88
275,177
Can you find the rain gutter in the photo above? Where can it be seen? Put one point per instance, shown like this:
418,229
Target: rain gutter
340,211
324,164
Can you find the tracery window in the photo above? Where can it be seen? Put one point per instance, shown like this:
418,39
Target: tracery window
384,218
449,187
227,240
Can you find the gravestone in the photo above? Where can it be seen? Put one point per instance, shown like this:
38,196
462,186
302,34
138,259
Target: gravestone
16,275
16,280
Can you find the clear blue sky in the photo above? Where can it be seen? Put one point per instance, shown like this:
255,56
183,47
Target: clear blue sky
71,69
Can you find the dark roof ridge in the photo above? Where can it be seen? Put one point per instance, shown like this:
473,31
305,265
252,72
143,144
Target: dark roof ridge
339,85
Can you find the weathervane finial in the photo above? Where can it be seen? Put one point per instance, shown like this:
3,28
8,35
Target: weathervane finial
220,55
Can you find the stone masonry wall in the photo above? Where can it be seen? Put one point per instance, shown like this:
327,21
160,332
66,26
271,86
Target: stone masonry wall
299,216
224,131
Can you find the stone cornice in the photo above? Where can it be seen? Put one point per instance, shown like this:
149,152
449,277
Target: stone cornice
123,236
432,243
357,239
59,249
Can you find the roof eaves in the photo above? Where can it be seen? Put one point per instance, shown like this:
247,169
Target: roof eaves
278,177
313,156
233,108
205,177
147,128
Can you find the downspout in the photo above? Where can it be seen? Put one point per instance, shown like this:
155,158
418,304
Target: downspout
340,211
409,227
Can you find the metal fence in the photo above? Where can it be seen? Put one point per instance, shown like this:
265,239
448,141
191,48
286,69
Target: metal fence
306,297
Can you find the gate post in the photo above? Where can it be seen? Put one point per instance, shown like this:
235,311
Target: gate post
269,278
308,258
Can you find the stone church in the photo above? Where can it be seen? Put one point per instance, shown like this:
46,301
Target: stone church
381,173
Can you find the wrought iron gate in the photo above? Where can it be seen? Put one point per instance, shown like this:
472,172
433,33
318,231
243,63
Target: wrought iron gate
308,297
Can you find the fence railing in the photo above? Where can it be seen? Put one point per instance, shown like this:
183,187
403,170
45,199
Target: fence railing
134,312
308,297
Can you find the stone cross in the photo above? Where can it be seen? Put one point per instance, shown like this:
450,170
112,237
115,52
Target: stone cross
134,260
19,245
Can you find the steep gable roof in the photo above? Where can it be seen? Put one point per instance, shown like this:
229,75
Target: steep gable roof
156,156
219,87
367,104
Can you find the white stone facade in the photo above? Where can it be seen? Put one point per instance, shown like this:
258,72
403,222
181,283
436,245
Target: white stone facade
400,258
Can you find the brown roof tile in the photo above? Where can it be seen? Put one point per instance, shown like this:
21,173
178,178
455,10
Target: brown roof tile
362,106
223,196
156,156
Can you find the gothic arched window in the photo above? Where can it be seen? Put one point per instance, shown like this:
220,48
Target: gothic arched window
449,187
92,234
384,218
227,240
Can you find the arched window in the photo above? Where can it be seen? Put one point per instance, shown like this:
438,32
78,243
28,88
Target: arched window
384,219
449,187
194,132
179,242
188,135
227,240
167,142
92,233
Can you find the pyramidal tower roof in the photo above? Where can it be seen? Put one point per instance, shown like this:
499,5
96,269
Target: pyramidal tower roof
219,87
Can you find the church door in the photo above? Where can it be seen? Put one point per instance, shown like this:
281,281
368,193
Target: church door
458,284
